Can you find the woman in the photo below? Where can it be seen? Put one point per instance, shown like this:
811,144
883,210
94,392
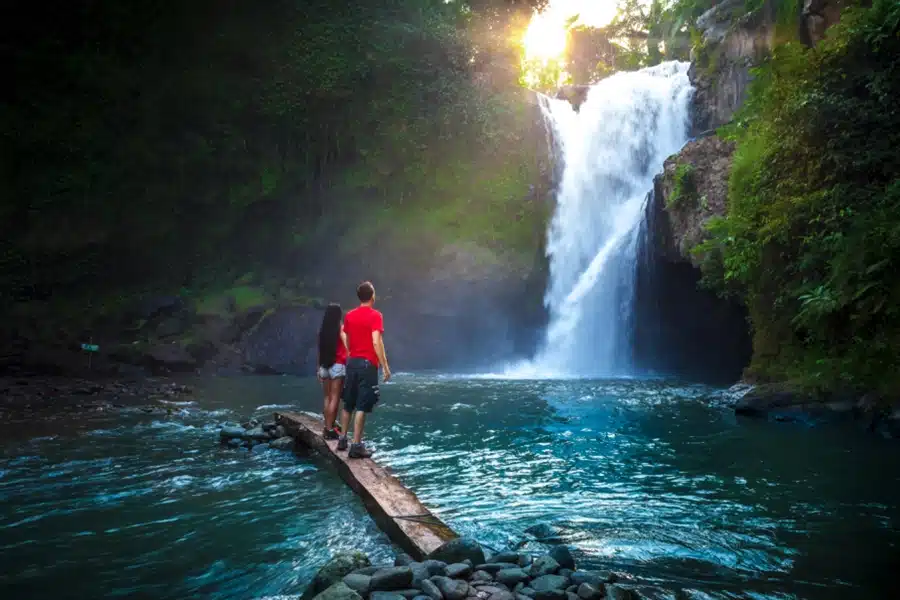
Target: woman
331,365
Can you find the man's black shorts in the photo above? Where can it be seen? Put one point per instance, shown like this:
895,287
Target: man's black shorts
361,386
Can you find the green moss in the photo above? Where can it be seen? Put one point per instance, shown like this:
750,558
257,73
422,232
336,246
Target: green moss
684,188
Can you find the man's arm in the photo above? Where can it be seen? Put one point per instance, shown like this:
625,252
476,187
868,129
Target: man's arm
378,342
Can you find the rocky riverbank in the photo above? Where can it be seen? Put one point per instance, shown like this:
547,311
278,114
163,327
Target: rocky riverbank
256,436
461,570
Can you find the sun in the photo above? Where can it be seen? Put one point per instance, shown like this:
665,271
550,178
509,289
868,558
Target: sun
547,33
545,38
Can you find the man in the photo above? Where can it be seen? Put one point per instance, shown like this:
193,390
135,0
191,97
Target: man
364,328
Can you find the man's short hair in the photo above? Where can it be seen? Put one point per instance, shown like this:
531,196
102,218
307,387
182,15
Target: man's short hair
365,291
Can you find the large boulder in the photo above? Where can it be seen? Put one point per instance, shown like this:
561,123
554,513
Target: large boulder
458,550
338,591
340,565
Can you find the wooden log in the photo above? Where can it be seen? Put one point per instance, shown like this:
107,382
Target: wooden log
395,509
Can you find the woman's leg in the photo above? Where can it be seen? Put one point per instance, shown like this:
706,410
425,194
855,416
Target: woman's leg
326,386
337,386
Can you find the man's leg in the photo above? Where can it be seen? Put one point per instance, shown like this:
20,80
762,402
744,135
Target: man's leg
351,394
358,425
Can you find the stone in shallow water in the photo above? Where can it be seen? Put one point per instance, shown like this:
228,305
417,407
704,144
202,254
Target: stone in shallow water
409,594
544,565
459,571
562,555
494,567
528,591
358,583
284,443
549,582
386,596
431,590
507,556
338,591
521,596
615,592
451,589
235,442
332,572
551,595
482,576
231,432
435,567
259,448
511,577
588,592
367,571
392,578
256,433
403,560
459,550
420,572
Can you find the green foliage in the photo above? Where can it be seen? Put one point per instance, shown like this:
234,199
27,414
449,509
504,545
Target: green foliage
684,188
812,235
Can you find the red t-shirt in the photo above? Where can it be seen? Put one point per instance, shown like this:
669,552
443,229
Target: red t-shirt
359,324
340,357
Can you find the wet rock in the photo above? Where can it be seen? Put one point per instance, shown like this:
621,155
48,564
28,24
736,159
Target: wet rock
367,571
403,560
451,589
235,443
508,556
550,595
495,567
482,576
567,573
420,572
588,592
386,596
227,433
502,595
256,433
250,424
435,567
422,598
562,555
521,596
338,591
549,582
284,443
615,592
511,577
358,583
259,448
409,594
545,533
431,590
525,560
268,426
544,565
334,571
280,431
459,571
528,591
459,550
572,589
391,579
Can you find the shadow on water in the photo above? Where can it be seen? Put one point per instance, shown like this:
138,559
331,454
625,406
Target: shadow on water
644,476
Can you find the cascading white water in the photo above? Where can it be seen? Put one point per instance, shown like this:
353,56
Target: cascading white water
611,149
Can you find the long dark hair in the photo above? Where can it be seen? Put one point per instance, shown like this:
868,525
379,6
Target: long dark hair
329,335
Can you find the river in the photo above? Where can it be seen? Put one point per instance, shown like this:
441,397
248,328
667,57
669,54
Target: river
649,477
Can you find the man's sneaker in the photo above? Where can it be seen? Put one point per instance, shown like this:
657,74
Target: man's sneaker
330,434
359,451
342,443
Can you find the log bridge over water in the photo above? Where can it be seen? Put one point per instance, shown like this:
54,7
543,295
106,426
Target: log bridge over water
394,508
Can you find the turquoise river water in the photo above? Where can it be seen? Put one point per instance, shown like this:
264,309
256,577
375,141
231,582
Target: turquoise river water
651,478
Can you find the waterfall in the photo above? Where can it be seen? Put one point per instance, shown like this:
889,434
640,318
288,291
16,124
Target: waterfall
610,148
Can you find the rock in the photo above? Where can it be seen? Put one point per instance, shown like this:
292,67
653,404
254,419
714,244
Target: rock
547,534
508,556
235,443
494,567
338,591
594,578
403,560
422,598
392,578
572,589
435,567
571,596
283,341
549,582
386,596
451,589
502,595
229,432
459,550
511,577
567,573
431,590
818,16
482,576
358,583
521,596
369,571
339,566
172,357
283,443
259,448
256,433
551,595
615,592
544,565
528,591
562,555
420,573
280,431
459,571
525,560
588,592
409,594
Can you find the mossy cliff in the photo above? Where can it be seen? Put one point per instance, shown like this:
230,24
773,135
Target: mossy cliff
791,206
